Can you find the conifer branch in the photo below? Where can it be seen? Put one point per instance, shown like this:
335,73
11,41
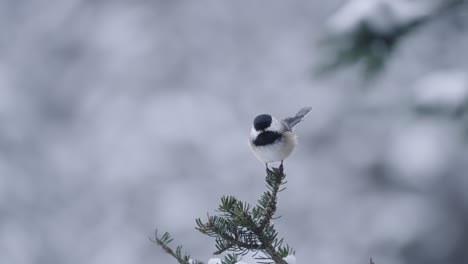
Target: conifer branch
270,249
277,178
164,241
242,228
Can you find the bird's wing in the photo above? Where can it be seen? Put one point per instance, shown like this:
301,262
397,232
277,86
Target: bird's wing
292,121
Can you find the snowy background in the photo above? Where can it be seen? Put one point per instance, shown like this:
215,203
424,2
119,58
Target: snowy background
119,117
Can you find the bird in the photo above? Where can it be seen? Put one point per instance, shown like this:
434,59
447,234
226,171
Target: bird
273,140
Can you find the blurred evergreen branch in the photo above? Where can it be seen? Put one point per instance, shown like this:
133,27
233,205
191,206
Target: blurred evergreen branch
364,45
369,47
242,228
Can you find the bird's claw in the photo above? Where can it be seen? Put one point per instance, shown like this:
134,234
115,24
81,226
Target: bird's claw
280,168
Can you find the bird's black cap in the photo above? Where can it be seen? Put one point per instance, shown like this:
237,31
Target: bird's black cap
262,121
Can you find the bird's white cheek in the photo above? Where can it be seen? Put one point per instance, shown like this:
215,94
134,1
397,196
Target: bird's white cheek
254,133
276,126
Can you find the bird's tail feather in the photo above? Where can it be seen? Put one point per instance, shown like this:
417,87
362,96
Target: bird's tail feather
292,121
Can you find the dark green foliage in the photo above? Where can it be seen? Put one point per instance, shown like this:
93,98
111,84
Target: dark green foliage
230,259
242,228
164,241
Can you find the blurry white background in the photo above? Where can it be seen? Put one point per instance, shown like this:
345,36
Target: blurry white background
119,117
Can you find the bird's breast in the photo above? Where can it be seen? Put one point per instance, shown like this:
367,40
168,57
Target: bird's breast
278,150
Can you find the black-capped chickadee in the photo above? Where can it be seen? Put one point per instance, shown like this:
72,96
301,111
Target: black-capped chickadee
273,140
